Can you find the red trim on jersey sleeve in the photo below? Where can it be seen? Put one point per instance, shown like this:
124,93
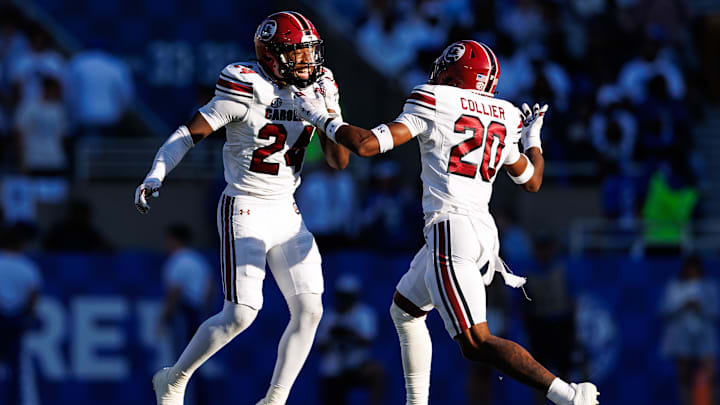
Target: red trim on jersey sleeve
234,86
422,97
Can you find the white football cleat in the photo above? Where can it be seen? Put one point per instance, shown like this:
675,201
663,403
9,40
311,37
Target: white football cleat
585,394
165,393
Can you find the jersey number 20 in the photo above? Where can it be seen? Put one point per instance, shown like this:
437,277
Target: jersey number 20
493,139
293,157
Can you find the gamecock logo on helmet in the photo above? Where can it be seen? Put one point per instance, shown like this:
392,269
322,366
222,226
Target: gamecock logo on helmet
268,30
454,52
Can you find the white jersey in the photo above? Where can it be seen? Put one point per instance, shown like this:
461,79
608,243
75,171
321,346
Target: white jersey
266,140
465,138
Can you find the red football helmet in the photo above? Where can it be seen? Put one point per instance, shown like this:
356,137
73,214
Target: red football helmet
469,65
279,43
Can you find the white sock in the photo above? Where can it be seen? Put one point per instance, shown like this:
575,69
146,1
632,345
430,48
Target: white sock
210,337
560,392
416,350
295,344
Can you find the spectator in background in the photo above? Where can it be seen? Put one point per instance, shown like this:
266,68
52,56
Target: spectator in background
614,132
524,23
13,41
345,336
26,71
20,283
42,126
326,199
188,289
653,61
515,242
389,212
690,312
669,204
517,73
102,90
552,83
384,43
188,297
76,232
576,131
662,119
39,159
550,317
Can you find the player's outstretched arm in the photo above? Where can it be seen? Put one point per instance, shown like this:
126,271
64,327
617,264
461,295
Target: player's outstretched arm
168,156
365,143
360,141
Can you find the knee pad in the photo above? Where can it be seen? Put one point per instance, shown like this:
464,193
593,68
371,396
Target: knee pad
237,317
400,317
306,309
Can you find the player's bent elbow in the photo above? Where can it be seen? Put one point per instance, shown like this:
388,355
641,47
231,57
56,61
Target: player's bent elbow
338,164
532,187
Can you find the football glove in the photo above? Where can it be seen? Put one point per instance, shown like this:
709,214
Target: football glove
148,188
329,90
311,109
532,124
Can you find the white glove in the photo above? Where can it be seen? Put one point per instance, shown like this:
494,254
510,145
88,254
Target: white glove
329,90
532,124
311,109
148,188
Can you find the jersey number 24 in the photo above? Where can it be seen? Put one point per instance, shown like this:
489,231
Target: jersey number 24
293,157
493,139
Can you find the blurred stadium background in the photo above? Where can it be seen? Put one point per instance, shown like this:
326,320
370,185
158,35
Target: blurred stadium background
90,89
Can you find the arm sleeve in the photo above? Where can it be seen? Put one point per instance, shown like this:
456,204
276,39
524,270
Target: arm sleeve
222,110
170,154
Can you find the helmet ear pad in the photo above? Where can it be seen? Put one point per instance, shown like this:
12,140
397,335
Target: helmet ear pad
269,62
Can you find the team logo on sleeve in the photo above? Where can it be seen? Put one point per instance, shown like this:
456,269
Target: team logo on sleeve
454,52
267,30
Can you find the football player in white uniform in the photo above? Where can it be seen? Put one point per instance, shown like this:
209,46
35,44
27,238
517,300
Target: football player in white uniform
466,135
257,218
